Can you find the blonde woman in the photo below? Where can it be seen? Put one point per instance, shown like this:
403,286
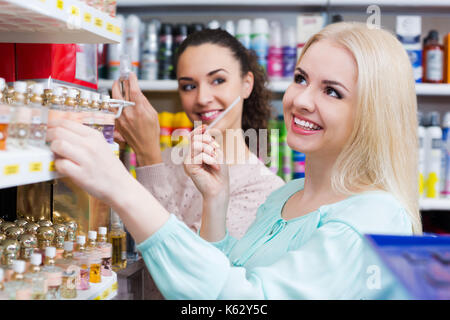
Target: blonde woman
352,110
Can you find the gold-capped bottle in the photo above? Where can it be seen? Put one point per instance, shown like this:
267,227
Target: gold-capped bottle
7,224
45,236
14,232
19,129
20,222
60,235
5,115
10,250
97,114
31,227
85,109
36,278
45,223
53,273
28,243
39,116
71,227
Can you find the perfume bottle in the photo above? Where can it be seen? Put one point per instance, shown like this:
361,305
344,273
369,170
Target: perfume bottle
53,273
5,115
17,288
45,236
99,119
28,243
69,265
9,254
71,227
105,249
37,278
14,232
45,223
70,105
60,235
19,128
31,228
108,118
67,257
20,222
7,224
55,111
38,127
81,243
95,263
85,108
69,286
92,240
118,239
82,261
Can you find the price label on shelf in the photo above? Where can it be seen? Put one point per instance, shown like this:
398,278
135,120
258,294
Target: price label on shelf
60,4
75,11
11,169
51,167
110,27
98,22
35,166
87,17
117,30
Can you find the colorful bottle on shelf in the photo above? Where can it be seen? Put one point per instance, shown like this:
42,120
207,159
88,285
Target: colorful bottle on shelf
105,249
260,40
39,116
275,53
53,274
95,266
37,278
166,128
5,115
71,227
28,243
149,67
87,116
108,118
433,59
81,243
60,235
19,129
289,52
9,254
118,239
69,285
82,261
45,236
165,56
92,240
18,288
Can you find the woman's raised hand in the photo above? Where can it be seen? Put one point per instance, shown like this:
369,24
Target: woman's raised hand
138,125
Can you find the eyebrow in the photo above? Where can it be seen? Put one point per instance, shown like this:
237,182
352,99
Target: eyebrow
211,73
330,82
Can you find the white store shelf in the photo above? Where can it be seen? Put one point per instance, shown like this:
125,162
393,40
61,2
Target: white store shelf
31,165
105,290
55,21
434,204
259,3
422,89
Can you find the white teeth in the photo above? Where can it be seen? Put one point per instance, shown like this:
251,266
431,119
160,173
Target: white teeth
209,114
306,124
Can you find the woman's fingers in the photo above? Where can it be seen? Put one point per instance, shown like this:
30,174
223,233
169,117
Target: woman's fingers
73,126
115,91
69,169
69,151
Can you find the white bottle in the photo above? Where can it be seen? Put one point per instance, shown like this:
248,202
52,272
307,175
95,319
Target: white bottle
260,40
214,24
228,26
243,32
115,51
445,163
421,136
149,66
133,30
433,154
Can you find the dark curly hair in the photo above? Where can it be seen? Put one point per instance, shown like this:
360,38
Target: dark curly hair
257,108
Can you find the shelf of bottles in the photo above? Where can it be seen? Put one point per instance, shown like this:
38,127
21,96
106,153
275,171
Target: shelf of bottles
56,21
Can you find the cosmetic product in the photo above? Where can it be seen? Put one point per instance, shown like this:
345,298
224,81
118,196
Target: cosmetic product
37,278
53,273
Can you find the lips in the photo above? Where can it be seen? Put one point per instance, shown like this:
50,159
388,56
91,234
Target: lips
209,115
304,126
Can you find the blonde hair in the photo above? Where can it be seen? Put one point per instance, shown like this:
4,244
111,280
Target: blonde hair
382,151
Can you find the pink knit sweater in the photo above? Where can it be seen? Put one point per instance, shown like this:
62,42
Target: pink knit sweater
250,184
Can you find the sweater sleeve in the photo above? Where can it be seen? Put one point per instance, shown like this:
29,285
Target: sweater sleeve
331,265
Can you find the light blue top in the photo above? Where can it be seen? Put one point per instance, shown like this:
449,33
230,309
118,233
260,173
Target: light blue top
321,255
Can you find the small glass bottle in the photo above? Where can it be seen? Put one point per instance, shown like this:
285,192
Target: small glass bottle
38,123
433,54
69,286
67,257
71,227
60,235
5,115
19,129
53,273
105,249
28,242
82,261
92,240
9,254
70,105
37,278
17,288
13,232
31,228
45,236
81,243
7,224
55,111
85,109
45,223
96,111
108,119
118,239
20,222
95,269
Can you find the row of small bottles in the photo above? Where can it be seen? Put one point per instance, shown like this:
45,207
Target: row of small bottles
68,265
26,109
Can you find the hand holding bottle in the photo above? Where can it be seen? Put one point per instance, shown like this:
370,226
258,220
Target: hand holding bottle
138,125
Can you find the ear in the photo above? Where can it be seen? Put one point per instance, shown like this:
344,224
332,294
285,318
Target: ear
247,88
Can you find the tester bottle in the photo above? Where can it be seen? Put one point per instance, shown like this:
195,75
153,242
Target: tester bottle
53,273
118,239
19,129
4,115
39,115
105,249
36,278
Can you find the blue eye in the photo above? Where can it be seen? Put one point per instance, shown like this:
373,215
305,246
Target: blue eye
332,93
298,78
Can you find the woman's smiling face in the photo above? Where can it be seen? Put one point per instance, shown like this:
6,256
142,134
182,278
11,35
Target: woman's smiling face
320,104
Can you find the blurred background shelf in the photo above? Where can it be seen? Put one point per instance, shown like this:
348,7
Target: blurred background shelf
55,21
435,204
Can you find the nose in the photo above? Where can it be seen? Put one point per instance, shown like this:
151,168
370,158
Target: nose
204,95
304,99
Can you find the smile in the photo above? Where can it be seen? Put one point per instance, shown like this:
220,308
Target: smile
209,115
305,127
